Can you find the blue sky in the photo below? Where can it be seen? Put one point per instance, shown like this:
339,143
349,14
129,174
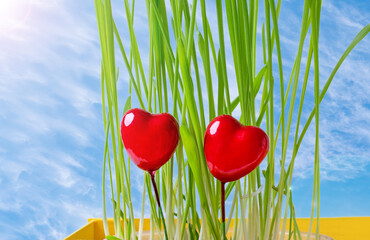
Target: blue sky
51,134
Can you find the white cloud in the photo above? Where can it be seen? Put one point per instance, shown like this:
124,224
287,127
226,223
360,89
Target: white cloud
344,139
50,97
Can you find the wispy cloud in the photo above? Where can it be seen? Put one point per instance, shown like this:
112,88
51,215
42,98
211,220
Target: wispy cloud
344,112
50,100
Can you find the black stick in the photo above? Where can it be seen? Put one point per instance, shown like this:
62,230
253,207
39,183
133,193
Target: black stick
223,209
158,202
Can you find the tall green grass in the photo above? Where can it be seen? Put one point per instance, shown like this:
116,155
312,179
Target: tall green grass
173,83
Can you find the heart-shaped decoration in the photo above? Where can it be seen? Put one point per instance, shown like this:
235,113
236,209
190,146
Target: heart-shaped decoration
233,150
150,139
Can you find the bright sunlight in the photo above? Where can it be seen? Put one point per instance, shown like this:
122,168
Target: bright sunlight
13,14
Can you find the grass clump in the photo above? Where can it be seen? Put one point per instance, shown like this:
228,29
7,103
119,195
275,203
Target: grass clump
180,50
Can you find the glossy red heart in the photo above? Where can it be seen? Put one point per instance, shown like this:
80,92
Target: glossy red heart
233,150
150,139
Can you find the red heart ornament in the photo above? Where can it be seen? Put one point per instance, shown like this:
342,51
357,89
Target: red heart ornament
233,150
150,139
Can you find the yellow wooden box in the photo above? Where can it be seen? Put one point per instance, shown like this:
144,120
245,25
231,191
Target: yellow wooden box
344,228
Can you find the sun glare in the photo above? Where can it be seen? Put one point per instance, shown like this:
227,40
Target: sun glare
13,14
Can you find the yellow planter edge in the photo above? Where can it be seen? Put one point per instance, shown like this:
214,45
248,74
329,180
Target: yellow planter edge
339,228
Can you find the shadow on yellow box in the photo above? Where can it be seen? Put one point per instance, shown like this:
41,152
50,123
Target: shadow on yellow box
343,228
